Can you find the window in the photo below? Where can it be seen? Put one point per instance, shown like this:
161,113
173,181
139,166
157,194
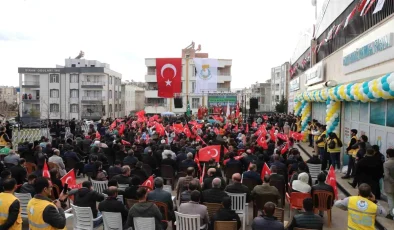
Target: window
116,107
110,108
277,98
195,102
193,86
74,78
74,108
355,111
110,94
54,93
378,113
110,80
74,93
194,71
390,112
54,108
54,78
120,107
116,96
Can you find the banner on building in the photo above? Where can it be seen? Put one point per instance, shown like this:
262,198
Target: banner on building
206,77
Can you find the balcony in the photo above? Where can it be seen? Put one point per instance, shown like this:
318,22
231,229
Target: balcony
91,84
33,100
150,77
93,99
30,84
151,94
93,115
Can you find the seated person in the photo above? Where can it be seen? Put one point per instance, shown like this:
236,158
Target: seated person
111,204
185,195
131,191
225,214
308,219
28,187
301,185
215,194
193,207
267,220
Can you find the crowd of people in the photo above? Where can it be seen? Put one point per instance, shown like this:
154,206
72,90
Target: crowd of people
131,150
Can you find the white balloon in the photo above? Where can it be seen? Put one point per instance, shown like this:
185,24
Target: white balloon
390,78
370,83
380,86
392,86
336,115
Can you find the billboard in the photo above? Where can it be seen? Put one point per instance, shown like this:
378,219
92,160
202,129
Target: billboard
222,100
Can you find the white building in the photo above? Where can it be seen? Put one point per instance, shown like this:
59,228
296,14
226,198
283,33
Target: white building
82,89
262,91
8,94
279,79
133,98
155,104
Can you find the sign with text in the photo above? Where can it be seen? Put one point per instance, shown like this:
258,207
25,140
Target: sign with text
295,84
39,70
315,74
221,100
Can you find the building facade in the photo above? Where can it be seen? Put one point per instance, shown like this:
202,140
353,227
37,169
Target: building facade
82,89
279,81
8,94
155,104
262,91
133,98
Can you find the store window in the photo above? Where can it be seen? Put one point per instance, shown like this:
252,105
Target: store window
348,111
364,115
355,111
378,113
390,113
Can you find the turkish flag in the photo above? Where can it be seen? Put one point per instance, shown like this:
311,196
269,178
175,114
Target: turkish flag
98,136
121,129
149,182
45,171
332,180
297,136
212,151
186,130
125,142
272,134
235,158
262,142
202,175
197,162
160,129
69,179
237,111
168,74
113,125
285,148
265,171
178,128
282,136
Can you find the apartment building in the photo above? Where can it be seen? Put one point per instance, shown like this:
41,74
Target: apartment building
81,89
262,91
279,81
133,98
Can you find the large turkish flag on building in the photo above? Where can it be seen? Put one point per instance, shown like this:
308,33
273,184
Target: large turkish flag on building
168,74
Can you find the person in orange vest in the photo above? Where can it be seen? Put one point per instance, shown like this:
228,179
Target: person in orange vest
10,209
42,212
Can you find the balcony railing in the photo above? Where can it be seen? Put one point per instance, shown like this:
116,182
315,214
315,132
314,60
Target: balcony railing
94,83
31,83
93,98
155,104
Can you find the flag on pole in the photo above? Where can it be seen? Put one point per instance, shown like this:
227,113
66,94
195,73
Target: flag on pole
45,171
337,29
350,16
206,77
363,6
69,179
265,171
369,7
332,180
228,110
149,182
237,110
188,112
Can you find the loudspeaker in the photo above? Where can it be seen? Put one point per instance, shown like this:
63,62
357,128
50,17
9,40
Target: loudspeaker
253,103
178,102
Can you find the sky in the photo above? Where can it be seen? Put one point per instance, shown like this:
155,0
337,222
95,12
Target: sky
256,34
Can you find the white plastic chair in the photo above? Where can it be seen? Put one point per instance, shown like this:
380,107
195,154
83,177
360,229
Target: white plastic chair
314,170
238,204
188,222
119,197
83,218
112,220
144,223
24,199
122,187
99,186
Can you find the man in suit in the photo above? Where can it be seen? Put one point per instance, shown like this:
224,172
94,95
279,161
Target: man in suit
208,180
194,208
158,194
238,187
252,174
275,176
111,204
189,162
19,172
215,194
183,182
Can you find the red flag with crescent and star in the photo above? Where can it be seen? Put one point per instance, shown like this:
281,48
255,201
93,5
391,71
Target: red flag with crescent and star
69,179
178,128
45,171
262,142
265,171
98,136
212,151
113,125
282,136
149,182
332,180
168,74
297,136
272,134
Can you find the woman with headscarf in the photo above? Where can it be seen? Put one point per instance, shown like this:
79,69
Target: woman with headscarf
301,185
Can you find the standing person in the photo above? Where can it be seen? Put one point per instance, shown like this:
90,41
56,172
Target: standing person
42,212
362,209
309,132
10,210
321,145
352,154
388,181
8,128
334,145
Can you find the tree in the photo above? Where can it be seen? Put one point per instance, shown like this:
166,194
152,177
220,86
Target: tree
281,107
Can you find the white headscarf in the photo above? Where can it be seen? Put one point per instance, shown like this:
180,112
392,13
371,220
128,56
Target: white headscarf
301,185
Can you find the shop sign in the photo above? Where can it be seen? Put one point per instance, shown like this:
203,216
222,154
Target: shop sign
39,70
295,84
370,49
314,75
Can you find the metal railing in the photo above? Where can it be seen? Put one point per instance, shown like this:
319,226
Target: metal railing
98,83
93,98
30,82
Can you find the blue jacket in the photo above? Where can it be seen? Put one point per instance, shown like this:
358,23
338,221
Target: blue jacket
253,175
158,194
265,222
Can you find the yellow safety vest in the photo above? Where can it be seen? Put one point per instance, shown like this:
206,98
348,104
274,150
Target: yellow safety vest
353,152
337,149
323,143
35,210
361,213
6,200
2,140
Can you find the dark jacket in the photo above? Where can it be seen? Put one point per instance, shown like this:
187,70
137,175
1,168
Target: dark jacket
122,179
253,175
144,209
113,171
188,163
139,173
170,162
19,173
307,220
151,161
13,212
130,160
225,214
85,197
277,177
52,215
207,184
238,188
112,205
28,188
213,195
158,194
130,192
265,222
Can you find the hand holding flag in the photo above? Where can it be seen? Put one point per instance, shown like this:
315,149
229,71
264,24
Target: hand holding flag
45,171
265,171
332,180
